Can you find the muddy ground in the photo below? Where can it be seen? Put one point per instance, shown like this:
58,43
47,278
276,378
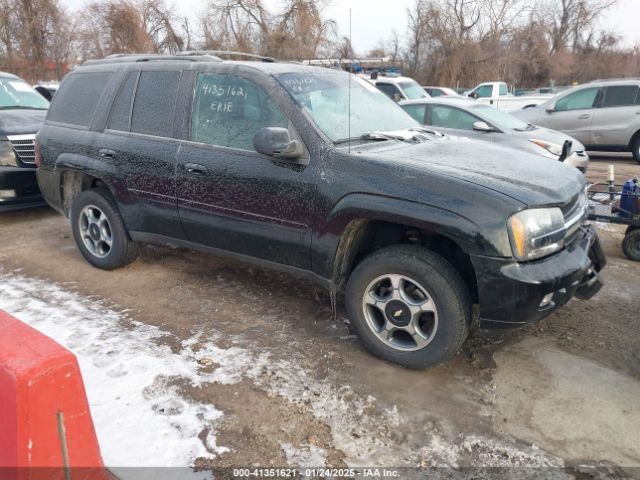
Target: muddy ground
563,392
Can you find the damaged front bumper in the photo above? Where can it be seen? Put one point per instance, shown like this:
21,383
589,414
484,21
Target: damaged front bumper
512,294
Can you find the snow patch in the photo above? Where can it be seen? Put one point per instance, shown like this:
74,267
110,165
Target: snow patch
140,417
306,456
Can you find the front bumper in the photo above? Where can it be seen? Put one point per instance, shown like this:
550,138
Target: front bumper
19,188
511,294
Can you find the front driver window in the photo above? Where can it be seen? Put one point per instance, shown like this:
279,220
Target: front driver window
448,117
580,100
485,91
229,110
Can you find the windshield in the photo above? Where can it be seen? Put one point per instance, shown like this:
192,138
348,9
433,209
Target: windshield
413,90
15,93
500,119
325,97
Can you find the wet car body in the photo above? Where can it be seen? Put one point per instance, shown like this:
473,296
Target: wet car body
319,213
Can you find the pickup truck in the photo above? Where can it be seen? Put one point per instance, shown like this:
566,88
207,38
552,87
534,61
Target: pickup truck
497,94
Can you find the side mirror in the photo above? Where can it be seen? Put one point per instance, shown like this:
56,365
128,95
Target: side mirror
482,127
551,108
473,94
397,97
275,142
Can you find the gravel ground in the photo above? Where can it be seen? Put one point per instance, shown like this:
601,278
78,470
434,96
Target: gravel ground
284,383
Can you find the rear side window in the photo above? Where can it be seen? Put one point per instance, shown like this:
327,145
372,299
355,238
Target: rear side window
77,99
120,118
504,91
622,96
416,111
154,104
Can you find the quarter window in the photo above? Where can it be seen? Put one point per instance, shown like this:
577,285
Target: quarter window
229,110
77,100
580,100
154,104
621,96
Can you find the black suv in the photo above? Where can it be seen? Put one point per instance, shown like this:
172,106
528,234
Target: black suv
317,172
22,112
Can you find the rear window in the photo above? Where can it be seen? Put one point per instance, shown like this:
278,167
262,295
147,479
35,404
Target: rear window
120,118
622,96
154,104
78,96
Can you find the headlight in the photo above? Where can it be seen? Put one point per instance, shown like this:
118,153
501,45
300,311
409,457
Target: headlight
553,149
536,233
7,157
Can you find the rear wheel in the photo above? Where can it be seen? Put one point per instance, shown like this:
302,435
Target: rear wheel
409,306
631,244
99,231
636,149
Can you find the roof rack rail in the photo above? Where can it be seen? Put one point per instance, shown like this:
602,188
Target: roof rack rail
617,79
149,57
226,53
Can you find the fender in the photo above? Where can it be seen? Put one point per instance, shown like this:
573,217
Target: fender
349,215
74,172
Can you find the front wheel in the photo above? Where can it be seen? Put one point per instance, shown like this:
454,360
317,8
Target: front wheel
408,305
99,231
631,244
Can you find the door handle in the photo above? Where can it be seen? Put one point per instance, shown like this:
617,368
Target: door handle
586,116
195,169
106,153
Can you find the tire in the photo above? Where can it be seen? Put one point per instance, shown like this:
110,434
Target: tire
409,274
99,231
631,244
636,149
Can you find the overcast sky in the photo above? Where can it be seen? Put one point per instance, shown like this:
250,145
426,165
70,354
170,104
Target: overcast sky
375,19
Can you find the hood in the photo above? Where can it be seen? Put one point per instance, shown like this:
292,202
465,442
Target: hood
547,135
21,121
530,179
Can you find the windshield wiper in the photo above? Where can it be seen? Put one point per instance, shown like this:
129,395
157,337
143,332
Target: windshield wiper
21,107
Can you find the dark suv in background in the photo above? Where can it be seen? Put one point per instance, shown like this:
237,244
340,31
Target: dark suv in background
22,112
269,163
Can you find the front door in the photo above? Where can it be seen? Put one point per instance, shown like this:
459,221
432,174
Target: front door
229,196
573,114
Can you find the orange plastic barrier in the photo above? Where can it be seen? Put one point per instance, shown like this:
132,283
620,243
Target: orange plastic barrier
46,430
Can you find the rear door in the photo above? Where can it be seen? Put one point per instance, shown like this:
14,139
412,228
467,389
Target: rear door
619,107
573,114
231,197
139,141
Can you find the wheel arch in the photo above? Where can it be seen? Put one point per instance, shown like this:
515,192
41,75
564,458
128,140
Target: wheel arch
79,173
386,221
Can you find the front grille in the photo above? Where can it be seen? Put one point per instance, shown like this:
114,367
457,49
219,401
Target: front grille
574,215
24,147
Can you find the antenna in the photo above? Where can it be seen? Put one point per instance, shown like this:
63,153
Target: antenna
350,67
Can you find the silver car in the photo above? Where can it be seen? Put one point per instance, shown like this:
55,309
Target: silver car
469,118
603,115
